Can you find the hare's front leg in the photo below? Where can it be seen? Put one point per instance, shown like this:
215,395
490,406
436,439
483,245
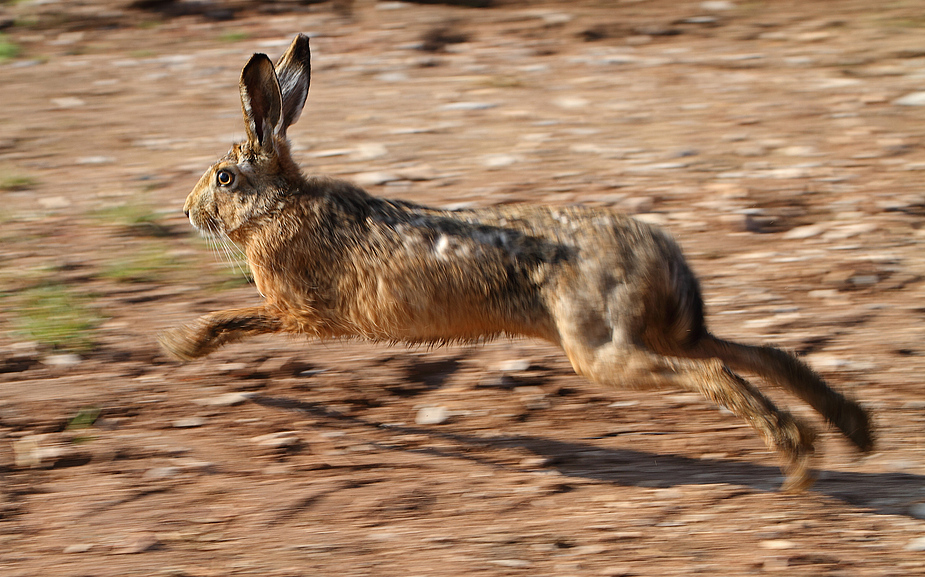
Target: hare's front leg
211,331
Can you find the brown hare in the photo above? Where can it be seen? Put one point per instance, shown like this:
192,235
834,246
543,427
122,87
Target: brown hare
614,293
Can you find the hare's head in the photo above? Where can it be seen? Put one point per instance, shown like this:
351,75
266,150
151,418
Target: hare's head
251,182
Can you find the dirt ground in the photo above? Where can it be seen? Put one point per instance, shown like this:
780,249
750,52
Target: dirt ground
783,144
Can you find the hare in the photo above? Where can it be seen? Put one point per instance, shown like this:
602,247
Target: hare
614,293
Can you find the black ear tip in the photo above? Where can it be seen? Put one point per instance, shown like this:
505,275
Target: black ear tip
303,50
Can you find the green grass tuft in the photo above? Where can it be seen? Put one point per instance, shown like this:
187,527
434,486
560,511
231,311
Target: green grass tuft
234,36
151,263
8,48
51,314
13,182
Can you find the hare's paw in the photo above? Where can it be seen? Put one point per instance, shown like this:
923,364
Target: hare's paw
182,343
797,447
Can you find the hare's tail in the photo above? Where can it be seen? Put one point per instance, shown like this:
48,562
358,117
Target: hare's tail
787,371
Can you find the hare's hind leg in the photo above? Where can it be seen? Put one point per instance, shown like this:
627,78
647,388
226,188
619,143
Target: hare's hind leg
627,365
213,330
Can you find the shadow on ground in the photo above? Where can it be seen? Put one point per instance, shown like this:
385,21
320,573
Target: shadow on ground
879,492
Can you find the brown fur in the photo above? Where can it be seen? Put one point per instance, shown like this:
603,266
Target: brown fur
615,293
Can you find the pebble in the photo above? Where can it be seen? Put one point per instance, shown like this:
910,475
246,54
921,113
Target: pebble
62,360
374,178
850,230
230,367
432,416
637,205
912,99
513,563
370,151
513,365
617,571
226,400
136,544
557,18
417,173
29,452
95,160
717,5
189,423
279,440
570,102
798,151
392,77
68,102
161,473
499,160
54,202
777,544
468,106
77,548
804,232
916,544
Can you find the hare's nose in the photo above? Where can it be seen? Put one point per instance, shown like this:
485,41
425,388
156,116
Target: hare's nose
186,212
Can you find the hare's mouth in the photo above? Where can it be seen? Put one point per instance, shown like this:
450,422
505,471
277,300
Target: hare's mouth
207,226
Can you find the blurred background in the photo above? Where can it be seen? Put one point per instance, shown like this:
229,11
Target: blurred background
781,142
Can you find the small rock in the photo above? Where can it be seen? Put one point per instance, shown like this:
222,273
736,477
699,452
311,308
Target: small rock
189,423
374,178
623,404
637,205
717,6
513,563
777,544
370,151
420,172
798,151
916,544
804,232
95,160
31,451
196,466
226,400
273,365
392,77
54,202
912,99
570,102
468,106
850,230
77,548
280,440
136,544
156,473
432,416
499,160
67,102
535,462
617,571
513,365
557,18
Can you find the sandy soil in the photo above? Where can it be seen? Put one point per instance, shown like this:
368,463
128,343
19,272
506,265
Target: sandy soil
783,143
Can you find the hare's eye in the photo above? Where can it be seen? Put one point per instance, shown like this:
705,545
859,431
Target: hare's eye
224,177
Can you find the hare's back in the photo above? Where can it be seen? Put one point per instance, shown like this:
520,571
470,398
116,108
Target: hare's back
585,233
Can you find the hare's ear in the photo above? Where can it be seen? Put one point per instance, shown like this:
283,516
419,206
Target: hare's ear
294,72
261,101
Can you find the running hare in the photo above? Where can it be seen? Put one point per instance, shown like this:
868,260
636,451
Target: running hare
615,293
